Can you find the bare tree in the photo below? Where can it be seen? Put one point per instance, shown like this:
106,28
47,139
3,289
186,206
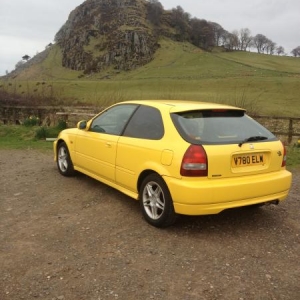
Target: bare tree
245,38
218,32
296,51
229,40
234,40
270,47
260,42
280,50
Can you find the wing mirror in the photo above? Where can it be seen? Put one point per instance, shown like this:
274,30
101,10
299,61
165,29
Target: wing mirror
81,124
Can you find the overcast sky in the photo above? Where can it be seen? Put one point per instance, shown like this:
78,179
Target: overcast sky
27,26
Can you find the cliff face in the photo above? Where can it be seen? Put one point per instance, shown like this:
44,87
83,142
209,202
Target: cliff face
102,33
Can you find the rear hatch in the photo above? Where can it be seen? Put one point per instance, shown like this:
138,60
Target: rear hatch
235,144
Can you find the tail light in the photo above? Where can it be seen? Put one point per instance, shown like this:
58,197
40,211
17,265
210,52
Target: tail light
194,162
283,164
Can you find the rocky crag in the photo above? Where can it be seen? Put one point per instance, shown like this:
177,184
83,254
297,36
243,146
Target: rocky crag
119,33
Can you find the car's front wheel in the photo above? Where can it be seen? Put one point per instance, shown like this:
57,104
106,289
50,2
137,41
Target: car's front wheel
64,162
156,202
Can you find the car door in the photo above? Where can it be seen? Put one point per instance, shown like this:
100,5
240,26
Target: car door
139,145
97,145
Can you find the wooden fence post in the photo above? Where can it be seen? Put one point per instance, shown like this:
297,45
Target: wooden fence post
291,131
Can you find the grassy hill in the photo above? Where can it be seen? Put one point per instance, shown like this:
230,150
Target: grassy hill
264,83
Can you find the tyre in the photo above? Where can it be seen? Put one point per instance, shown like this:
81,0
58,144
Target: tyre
156,202
64,162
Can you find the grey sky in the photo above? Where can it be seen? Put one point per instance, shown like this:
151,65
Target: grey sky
27,26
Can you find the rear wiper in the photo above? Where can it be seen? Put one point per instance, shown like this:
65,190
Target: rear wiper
253,139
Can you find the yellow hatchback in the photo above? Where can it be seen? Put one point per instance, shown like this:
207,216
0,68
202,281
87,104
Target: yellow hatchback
178,157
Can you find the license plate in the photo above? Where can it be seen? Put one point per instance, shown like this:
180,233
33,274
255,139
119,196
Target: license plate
248,160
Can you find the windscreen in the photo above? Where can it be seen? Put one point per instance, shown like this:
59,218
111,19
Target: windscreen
219,127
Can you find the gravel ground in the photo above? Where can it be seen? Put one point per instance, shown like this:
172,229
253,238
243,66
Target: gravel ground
75,238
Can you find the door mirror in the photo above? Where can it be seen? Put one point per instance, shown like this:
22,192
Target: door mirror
81,125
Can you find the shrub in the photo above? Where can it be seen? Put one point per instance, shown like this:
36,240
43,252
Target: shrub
41,133
50,132
31,121
62,124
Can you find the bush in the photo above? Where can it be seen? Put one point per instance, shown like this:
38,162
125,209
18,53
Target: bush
62,124
31,121
50,132
41,133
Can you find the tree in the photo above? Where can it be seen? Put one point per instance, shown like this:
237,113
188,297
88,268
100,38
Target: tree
260,42
280,50
296,51
245,38
202,33
26,57
218,32
154,11
229,40
19,64
180,20
268,46
233,39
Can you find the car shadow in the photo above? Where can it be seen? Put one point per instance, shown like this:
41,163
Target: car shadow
231,220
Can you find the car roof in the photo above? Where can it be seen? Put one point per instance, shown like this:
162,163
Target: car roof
182,105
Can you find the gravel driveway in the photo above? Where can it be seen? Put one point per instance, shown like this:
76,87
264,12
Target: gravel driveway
74,238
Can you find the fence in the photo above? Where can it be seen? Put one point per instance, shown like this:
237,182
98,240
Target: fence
286,128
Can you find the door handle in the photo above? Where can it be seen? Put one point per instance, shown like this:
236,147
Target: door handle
108,145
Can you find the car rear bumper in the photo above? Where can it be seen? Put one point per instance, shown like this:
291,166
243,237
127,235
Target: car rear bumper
211,196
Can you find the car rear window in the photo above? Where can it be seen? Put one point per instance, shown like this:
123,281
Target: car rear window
219,126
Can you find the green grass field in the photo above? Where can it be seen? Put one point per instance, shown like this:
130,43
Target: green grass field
268,84
21,137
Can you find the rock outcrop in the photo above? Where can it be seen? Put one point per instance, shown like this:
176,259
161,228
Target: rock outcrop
103,33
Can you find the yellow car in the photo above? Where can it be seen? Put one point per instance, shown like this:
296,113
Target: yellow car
178,157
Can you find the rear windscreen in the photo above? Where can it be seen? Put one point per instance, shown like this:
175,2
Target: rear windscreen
218,127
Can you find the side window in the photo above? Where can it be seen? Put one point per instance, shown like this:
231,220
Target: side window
113,120
146,123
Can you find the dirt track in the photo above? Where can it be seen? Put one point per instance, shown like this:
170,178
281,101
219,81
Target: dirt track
74,238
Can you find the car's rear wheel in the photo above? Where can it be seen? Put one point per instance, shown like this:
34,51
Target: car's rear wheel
64,162
156,202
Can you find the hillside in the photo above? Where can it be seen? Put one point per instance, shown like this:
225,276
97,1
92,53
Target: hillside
270,84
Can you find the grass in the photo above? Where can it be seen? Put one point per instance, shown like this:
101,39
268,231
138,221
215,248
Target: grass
293,156
22,137
263,61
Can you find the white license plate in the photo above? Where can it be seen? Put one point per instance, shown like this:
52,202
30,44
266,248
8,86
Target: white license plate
248,160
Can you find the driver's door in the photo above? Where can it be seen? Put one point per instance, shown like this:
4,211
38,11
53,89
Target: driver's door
96,146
